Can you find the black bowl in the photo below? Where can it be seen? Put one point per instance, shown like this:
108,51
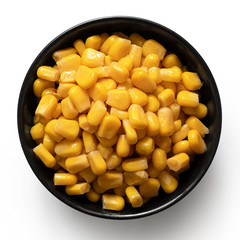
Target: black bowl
173,42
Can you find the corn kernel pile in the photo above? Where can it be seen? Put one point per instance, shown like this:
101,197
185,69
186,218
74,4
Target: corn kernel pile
117,118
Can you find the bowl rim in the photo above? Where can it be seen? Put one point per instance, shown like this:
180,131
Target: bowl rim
111,215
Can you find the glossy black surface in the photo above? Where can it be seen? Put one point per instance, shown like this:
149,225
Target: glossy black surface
173,42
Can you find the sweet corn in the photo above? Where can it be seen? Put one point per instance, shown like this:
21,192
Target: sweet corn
153,126
69,63
175,110
118,98
46,106
104,36
164,143
102,72
79,46
85,125
50,130
37,131
126,62
78,189
69,129
121,190
49,143
110,179
97,163
191,81
96,113
76,164
141,80
113,202
159,89
136,55
85,77
152,172
122,146
180,134
63,89
137,39
92,58
107,60
196,142
130,132
182,147
187,99
134,197
94,42
67,148
113,161
119,113
152,104
154,74
159,159
173,74
119,48
135,164
195,123
93,196
89,141
48,73
149,188
98,92
97,188
151,60
137,117
166,121
45,156
68,109
57,111
108,83
104,151
166,97
167,182
199,112
107,142
51,91
108,43
40,85
118,72
178,161
177,125
152,46
64,179
80,98
126,85
135,178
145,146
171,60
88,175
59,54
138,97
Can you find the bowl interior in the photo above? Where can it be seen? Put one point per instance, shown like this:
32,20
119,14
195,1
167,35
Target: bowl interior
172,42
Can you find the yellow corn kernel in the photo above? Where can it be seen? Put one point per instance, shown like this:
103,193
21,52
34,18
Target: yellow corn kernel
110,179
107,142
177,125
182,147
50,130
135,178
57,111
37,131
97,163
121,190
131,134
164,143
159,159
98,92
126,85
108,43
159,89
137,39
137,117
178,161
68,109
79,98
59,54
96,113
63,89
40,85
145,146
152,105
64,179
141,80
102,72
136,55
85,77
69,63
180,87
135,164
79,46
104,151
108,83
151,60
173,74
171,60
88,175
85,125
180,134
107,60
118,98
196,124
92,58
149,188
166,121
46,106
168,183
153,126
93,196
89,141
49,143
170,85
76,164
51,91
187,99
175,110
191,81
138,96
119,48
78,189
166,97
134,197
199,112
67,148
119,113
122,146
154,74
113,161
152,46
104,36
45,156
97,188
48,73
126,62
142,68
94,42
196,142
152,171
118,72
113,202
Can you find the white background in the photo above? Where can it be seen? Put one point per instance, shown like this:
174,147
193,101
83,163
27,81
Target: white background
210,211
